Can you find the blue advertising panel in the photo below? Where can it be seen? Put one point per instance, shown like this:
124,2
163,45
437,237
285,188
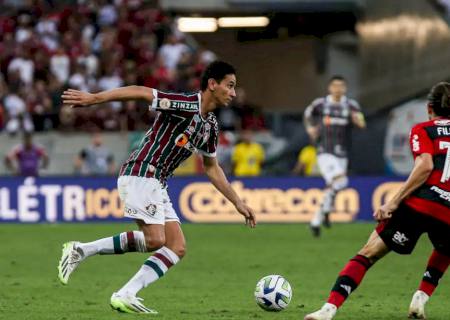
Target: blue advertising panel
274,199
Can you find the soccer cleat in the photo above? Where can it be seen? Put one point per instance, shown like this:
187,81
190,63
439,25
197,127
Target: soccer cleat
417,306
315,231
70,259
129,304
327,312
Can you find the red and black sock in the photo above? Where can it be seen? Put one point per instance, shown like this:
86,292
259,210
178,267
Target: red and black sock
437,265
349,279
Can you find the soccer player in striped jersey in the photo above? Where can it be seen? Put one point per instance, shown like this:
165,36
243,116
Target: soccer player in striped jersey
185,124
422,205
328,122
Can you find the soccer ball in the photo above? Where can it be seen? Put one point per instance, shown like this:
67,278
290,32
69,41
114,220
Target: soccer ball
273,293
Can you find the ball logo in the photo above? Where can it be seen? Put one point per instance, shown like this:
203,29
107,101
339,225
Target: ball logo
181,140
164,103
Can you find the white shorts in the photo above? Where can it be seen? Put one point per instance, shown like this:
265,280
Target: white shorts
145,199
331,166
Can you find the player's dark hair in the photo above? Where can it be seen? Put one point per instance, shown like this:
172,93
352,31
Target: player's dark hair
337,77
439,99
216,70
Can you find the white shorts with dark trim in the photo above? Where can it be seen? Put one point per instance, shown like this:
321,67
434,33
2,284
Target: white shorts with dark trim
145,199
331,166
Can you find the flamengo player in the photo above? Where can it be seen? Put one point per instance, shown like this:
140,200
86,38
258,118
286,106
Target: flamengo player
422,205
328,122
185,124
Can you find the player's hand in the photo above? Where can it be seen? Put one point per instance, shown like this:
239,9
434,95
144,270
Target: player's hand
76,98
358,119
385,211
247,212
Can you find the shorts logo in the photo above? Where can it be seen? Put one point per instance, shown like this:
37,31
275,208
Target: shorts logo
400,238
164,103
129,211
151,209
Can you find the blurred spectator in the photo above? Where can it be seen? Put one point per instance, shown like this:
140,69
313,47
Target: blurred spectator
252,117
306,162
171,52
248,156
18,118
95,159
27,158
23,64
60,65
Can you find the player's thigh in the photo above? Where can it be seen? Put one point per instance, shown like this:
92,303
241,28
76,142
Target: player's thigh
375,248
439,234
175,239
329,167
401,232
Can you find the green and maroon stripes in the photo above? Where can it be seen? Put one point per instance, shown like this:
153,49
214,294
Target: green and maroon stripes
124,242
159,263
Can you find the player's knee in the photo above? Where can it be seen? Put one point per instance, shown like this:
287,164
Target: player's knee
340,183
179,250
371,253
155,242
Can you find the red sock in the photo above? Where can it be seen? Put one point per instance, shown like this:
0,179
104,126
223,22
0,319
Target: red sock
437,265
349,279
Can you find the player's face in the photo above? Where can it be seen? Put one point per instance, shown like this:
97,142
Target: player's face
225,90
337,88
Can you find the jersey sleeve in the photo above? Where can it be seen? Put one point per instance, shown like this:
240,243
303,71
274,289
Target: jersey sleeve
354,106
312,113
209,149
420,142
175,102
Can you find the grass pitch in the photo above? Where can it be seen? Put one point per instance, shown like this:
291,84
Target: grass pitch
216,279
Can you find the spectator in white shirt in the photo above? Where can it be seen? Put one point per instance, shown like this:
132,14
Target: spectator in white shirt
23,64
60,65
18,117
171,52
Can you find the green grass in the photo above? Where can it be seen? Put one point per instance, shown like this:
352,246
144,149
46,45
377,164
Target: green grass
216,279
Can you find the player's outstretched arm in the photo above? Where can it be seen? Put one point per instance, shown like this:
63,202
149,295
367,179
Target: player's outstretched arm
219,180
80,98
423,166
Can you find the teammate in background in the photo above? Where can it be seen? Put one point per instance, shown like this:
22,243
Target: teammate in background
422,205
328,122
247,156
26,159
185,124
96,159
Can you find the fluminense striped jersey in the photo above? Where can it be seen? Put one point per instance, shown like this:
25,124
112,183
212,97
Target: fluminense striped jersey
334,120
178,131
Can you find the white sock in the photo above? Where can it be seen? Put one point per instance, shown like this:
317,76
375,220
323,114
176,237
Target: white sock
130,241
152,269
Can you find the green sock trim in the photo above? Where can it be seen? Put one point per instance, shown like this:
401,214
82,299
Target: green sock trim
155,267
117,247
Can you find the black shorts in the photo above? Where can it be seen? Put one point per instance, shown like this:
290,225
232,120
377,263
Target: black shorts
403,230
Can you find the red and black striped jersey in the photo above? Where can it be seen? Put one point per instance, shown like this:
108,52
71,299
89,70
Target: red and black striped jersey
178,131
334,120
433,197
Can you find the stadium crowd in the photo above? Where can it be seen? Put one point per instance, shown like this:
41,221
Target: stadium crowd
91,46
